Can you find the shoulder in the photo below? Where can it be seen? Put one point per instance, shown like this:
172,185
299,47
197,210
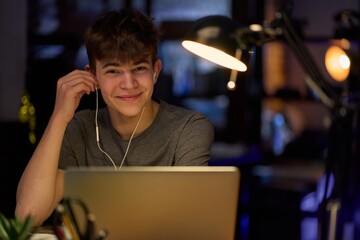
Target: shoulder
83,124
84,118
82,113
178,112
85,115
181,116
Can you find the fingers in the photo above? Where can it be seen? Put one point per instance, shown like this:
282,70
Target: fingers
78,81
70,89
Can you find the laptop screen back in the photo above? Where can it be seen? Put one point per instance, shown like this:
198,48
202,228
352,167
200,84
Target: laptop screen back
159,202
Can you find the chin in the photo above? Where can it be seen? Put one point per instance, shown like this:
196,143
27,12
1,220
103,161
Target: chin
129,111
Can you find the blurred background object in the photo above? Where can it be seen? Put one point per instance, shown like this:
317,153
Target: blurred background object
271,125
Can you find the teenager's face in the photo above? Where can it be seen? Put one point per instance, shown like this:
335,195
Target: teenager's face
126,89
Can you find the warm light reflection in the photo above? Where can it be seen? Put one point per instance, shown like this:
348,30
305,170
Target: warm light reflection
214,55
255,27
337,63
231,85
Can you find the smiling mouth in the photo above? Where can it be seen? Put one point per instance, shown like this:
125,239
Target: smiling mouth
129,97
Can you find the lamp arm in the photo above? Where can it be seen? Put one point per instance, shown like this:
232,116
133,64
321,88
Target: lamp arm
340,133
316,81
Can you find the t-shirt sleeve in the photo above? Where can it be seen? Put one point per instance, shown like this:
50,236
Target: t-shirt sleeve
195,142
67,155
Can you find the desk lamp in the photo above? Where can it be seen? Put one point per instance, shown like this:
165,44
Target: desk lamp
340,57
337,61
222,41
209,39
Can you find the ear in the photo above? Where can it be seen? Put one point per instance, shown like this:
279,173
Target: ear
87,68
157,69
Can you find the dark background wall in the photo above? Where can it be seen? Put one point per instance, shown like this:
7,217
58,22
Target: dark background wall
23,66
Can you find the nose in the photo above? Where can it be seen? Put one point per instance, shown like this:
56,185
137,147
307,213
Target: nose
128,81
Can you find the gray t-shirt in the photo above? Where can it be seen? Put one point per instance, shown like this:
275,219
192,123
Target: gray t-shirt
177,137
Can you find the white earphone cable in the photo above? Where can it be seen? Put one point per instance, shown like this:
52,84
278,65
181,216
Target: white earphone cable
98,135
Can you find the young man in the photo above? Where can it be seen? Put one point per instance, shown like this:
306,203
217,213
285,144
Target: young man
133,129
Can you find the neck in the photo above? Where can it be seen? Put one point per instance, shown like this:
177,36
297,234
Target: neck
124,126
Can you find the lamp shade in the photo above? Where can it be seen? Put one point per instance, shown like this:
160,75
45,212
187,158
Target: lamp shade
213,38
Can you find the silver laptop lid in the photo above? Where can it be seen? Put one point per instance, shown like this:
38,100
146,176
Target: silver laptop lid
159,202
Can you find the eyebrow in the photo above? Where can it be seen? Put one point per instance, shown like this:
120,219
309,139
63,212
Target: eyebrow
107,64
116,64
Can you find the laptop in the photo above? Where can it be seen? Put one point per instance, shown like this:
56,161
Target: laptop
159,203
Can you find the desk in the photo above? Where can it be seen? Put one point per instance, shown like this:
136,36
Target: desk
277,197
43,233
43,236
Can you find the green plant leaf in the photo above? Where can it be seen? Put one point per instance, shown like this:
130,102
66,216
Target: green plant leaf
4,227
13,229
25,229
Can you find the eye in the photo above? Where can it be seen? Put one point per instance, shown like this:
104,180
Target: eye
112,71
140,69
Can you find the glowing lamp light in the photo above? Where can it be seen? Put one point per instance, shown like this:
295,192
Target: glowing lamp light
214,38
214,55
231,85
225,42
337,63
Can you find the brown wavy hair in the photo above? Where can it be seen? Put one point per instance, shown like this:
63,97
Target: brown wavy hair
126,35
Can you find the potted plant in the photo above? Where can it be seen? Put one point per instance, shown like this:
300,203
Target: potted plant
14,229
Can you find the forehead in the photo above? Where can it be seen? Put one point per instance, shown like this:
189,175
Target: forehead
117,62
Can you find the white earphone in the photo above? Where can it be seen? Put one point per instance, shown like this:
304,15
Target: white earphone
98,135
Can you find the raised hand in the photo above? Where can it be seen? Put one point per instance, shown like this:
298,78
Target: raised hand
70,89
